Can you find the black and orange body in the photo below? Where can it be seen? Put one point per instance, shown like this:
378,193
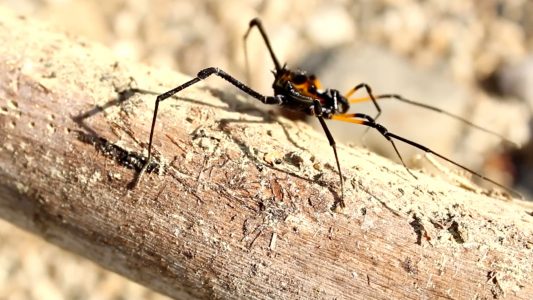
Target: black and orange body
300,92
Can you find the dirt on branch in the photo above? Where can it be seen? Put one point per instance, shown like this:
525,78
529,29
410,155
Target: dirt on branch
242,204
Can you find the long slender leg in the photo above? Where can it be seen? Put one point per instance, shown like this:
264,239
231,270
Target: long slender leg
373,98
318,111
203,74
436,109
368,90
370,96
366,120
333,145
257,23
371,123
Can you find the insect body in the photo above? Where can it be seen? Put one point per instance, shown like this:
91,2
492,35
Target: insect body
298,91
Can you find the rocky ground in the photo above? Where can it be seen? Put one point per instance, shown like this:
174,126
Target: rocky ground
469,57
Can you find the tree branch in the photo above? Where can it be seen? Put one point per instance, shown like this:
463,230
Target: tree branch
240,205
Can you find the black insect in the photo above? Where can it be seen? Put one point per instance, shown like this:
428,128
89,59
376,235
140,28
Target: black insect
298,91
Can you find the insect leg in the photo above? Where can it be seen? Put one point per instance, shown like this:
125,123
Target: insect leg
257,23
419,104
366,120
332,143
203,74
438,110
370,96
371,123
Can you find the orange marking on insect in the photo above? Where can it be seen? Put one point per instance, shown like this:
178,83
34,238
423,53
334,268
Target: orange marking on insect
359,100
349,94
346,118
316,82
307,88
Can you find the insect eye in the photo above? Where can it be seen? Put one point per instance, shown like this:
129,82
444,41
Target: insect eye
299,79
312,89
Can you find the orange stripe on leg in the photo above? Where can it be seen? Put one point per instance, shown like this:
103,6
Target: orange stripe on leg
350,93
359,100
347,118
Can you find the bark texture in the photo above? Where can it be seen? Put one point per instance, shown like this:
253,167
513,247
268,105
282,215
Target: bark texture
242,204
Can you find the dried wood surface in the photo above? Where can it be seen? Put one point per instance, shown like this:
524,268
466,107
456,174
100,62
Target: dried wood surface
243,204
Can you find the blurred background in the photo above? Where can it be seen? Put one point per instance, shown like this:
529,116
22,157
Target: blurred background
471,58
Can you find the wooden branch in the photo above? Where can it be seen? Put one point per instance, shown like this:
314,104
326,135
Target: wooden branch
242,204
